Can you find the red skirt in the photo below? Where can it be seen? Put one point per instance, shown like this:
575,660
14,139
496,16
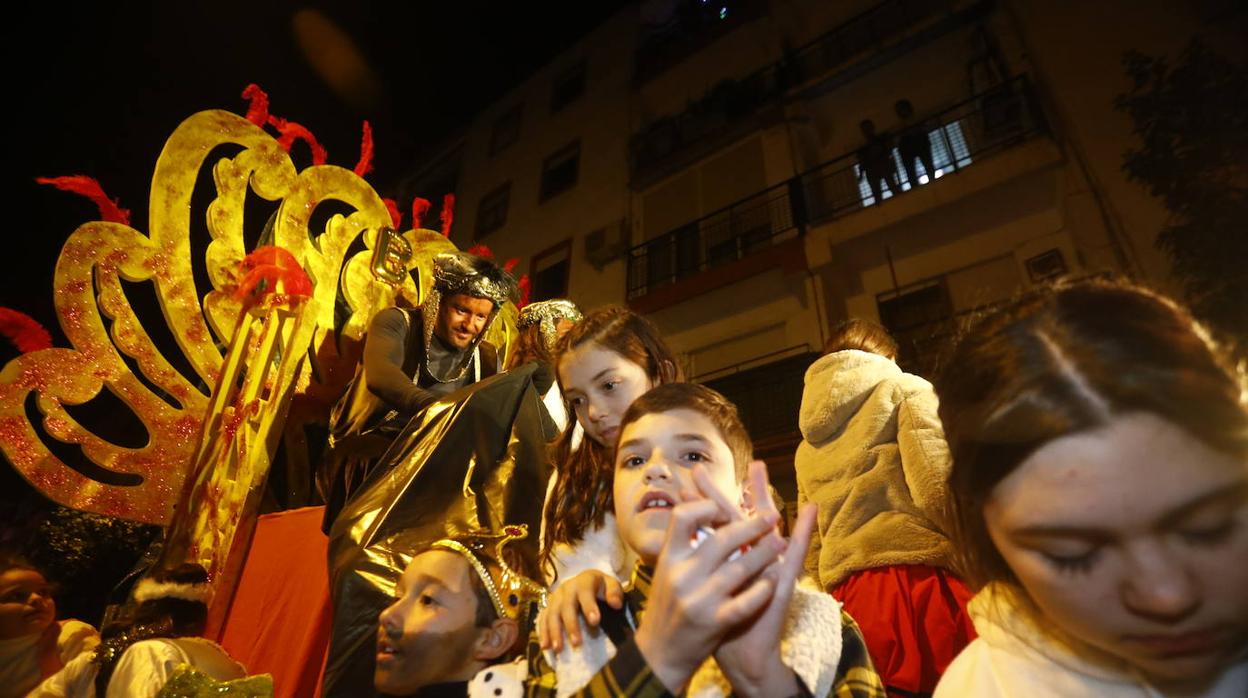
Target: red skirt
914,620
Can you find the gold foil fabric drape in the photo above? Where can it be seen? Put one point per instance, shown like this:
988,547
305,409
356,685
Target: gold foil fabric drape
476,459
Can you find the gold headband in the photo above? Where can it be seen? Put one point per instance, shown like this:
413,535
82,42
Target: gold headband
512,593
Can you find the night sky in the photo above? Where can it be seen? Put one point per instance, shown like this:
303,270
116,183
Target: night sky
102,85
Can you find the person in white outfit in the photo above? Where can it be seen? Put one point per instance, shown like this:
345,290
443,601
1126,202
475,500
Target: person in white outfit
138,658
1100,499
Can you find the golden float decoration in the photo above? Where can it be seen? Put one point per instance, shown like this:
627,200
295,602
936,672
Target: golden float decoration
210,442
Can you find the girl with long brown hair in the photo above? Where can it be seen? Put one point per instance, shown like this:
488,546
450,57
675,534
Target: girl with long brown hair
1100,499
602,364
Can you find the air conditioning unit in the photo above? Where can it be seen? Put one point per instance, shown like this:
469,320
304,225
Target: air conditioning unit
607,244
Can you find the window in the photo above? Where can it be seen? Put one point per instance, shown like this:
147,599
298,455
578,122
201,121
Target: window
506,130
1046,266
492,211
560,170
918,319
549,272
568,86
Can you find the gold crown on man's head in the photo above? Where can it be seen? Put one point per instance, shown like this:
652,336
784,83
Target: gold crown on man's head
460,272
514,595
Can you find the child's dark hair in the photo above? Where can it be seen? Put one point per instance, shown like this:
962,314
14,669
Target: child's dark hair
1064,360
706,402
581,496
862,335
13,560
183,616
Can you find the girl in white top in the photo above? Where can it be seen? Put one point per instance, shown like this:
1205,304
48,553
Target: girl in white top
606,361
1100,500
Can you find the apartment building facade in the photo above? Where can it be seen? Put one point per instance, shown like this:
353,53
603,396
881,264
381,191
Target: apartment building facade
706,164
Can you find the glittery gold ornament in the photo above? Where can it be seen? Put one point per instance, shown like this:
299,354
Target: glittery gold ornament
210,438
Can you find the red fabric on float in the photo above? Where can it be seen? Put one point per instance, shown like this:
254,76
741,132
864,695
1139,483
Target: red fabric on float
280,618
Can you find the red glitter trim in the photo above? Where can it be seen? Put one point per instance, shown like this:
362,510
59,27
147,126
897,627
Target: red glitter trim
448,214
510,264
481,250
258,108
365,165
419,208
110,210
23,331
396,217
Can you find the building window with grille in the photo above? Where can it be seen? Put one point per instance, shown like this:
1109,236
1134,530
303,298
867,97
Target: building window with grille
492,211
549,271
506,130
560,170
568,87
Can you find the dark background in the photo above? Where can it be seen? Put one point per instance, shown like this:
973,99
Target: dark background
96,88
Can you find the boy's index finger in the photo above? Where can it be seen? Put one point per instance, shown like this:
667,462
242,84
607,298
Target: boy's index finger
707,488
685,520
760,488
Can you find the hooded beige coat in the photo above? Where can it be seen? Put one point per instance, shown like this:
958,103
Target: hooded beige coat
874,459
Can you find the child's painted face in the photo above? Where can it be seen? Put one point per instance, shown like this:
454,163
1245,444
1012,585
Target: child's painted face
600,384
26,605
653,472
428,635
1133,538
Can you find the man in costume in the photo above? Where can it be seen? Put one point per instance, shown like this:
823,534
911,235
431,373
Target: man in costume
412,358
462,604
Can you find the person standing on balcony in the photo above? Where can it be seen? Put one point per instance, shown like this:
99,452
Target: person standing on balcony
913,144
874,459
412,358
875,160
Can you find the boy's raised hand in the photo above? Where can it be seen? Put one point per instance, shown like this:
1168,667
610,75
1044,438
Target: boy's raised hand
698,594
749,655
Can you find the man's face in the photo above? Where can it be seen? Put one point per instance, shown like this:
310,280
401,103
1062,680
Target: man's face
461,318
654,472
429,634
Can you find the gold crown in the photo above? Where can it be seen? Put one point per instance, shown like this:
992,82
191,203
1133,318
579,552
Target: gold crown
514,595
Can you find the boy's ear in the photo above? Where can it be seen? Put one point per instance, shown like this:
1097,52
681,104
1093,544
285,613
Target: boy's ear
494,642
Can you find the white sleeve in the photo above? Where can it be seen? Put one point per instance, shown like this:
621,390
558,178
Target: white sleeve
144,669
76,637
601,549
75,680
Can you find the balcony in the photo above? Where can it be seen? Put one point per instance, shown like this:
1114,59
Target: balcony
991,121
734,107
716,242
762,231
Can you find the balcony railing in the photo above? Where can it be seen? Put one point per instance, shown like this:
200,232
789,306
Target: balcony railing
989,122
869,31
880,31
724,236
996,119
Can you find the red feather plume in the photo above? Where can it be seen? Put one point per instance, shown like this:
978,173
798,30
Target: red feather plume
110,210
23,331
